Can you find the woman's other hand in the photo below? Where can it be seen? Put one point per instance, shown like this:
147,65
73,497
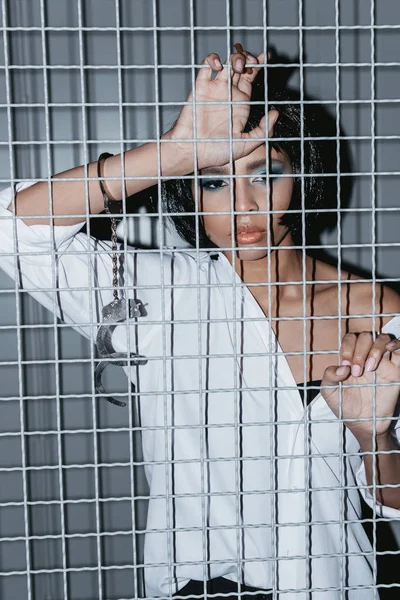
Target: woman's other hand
368,409
215,118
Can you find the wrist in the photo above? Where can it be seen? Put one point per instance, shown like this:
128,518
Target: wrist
176,156
142,162
370,442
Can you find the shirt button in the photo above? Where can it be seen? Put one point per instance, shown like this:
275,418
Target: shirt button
294,487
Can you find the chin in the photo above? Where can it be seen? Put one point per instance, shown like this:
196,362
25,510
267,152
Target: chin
249,254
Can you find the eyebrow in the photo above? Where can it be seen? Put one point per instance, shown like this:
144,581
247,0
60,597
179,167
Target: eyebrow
251,166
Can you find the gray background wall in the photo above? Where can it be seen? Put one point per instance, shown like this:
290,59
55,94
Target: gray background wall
54,394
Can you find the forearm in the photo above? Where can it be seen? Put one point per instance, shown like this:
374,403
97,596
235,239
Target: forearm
67,199
383,467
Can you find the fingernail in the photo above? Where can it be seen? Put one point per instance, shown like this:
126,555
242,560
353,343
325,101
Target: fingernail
370,365
217,63
239,64
392,344
346,362
356,370
341,371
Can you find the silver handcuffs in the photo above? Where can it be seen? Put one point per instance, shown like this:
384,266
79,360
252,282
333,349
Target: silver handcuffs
114,313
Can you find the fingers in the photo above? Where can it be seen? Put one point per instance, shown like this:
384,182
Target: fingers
333,375
249,72
379,351
353,352
246,79
272,119
362,354
248,58
241,66
213,61
393,345
239,60
394,348
259,132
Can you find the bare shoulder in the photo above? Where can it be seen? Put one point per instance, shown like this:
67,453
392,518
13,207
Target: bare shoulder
361,299
367,298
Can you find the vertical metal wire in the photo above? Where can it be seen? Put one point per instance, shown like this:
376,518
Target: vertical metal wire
168,432
137,589
373,283
203,406
236,393
272,395
21,395
342,438
55,295
307,426
80,11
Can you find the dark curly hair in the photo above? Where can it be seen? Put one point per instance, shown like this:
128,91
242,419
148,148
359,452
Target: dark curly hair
177,194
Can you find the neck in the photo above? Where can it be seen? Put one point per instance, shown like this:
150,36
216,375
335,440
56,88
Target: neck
278,266
285,266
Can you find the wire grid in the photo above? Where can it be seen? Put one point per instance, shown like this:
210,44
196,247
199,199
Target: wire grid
75,497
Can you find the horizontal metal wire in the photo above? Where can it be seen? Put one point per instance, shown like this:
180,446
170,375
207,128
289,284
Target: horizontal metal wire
133,567
168,357
221,459
194,562
133,429
177,103
123,532
221,285
131,394
191,178
138,429
156,358
167,249
189,67
88,501
197,140
223,28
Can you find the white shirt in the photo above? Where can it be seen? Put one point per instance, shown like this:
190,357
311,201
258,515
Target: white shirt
225,434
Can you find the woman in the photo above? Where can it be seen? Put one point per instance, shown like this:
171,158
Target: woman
251,488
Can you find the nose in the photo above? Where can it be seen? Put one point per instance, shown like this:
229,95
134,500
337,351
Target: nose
245,199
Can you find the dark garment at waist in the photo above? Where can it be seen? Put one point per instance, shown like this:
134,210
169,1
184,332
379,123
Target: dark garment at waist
311,394
220,585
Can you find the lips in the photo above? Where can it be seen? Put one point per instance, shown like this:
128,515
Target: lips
240,229
249,234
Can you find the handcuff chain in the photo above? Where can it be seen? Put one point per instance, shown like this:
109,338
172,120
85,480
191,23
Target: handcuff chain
114,257
114,239
118,311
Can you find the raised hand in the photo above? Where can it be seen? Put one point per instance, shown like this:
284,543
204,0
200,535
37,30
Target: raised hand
221,121
361,357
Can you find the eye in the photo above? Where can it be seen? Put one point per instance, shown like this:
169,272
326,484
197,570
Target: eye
275,173
212,185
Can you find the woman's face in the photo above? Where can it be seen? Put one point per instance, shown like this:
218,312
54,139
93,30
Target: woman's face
249,233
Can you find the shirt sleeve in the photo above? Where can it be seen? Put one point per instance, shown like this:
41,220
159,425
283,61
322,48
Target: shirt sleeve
70,273
387,512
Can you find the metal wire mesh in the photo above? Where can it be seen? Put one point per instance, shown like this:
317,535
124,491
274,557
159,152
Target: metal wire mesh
80,78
